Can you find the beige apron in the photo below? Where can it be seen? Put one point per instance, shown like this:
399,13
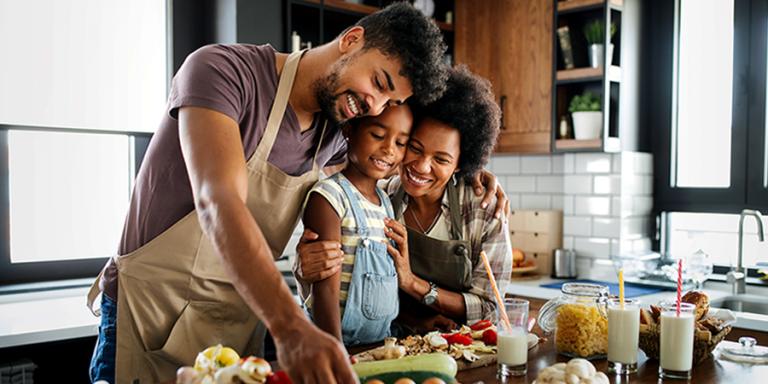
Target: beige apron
174,297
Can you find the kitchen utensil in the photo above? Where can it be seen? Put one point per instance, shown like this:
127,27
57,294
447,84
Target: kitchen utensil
564,263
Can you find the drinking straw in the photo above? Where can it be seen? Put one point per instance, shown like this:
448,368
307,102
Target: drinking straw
679,283
502,310
621,288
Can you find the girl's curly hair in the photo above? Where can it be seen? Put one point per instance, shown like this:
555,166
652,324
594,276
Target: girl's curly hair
469,106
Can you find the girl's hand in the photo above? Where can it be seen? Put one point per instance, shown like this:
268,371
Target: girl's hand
397,233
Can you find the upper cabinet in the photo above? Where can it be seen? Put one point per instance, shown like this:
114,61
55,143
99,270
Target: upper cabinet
547,62
509,43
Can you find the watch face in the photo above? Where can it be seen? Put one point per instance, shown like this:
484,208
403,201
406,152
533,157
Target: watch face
430,299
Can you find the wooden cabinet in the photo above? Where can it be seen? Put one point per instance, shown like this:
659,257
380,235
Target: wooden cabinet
509,43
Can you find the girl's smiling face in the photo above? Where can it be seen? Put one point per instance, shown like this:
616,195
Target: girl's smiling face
431,159
377,144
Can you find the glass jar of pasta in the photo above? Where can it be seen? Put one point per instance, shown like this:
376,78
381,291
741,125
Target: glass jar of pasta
578,319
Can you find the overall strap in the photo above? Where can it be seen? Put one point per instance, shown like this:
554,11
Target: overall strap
385,202
354,204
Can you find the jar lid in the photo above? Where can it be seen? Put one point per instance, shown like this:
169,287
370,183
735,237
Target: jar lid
747,351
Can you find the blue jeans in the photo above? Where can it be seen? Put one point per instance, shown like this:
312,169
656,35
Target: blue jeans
103,360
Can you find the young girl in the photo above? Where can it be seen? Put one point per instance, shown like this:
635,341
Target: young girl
358,304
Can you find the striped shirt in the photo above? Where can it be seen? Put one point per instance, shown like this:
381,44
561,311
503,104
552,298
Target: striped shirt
485,232
331,190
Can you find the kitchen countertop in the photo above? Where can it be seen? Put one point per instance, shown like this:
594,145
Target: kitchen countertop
715,290
711,370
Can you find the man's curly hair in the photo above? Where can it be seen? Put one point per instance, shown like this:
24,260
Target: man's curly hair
401,31
469,106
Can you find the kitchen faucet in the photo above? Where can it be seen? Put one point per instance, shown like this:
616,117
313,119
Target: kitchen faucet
737,277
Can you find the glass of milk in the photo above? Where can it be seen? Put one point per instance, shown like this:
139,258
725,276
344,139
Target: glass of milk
676,349
623,334
512,343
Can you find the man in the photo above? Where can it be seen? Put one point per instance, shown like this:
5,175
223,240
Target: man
220,190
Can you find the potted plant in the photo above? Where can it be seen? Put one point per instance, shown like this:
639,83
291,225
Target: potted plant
587,116
594,31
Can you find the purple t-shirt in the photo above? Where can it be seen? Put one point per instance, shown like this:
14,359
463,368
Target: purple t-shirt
240,81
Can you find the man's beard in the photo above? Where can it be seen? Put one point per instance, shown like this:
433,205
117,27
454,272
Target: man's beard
324,93
326,87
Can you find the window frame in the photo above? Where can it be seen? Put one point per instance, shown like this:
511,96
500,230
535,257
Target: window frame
28,272
748,119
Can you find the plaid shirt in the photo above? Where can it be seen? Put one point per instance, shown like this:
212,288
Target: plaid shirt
485,232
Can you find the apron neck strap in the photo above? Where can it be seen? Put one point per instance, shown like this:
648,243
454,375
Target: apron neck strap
284,87
454,207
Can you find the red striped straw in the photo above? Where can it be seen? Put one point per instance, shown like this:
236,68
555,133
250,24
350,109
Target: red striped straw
679,283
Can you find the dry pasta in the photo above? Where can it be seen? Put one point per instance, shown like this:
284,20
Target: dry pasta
581,331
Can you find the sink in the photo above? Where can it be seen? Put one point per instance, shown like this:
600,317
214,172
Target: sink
743,303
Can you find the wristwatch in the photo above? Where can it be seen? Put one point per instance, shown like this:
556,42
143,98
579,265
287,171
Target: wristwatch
431,295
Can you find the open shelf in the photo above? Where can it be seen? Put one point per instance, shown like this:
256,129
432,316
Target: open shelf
580,5
588,74
362,9
612,144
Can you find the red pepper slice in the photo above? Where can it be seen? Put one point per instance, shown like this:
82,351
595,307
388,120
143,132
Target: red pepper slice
490,337
458,338
278,377
482,324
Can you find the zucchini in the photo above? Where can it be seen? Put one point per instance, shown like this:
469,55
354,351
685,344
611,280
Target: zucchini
416,376
431,362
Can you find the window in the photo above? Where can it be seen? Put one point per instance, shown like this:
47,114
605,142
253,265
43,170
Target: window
709,138
83,90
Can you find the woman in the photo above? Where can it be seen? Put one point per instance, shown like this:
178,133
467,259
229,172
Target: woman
441,225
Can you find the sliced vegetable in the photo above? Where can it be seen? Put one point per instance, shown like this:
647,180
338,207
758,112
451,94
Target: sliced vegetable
482,324
434,362
279,377
490,337
458,338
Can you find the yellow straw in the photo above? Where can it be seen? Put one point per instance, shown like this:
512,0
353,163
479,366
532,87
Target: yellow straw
621,288
495,288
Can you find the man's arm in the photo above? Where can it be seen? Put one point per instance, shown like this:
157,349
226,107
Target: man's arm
319,216
213,153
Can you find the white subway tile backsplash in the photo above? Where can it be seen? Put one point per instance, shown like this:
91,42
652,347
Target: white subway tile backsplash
617,159
634,227
569,161
558,202
644,164
641,245
606,227
506,165
558,164
583,266
637,184
549,184
592,247
536,165
521,184
617,206
608,184
615,247
593,163
577,225
577,184
592,205
514,201
568,242
567,205
641,205
535,202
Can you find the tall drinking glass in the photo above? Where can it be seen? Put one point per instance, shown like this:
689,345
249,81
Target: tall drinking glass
623,335
676,354
512,343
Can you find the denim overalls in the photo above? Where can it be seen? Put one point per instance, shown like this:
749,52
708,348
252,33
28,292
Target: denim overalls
372,301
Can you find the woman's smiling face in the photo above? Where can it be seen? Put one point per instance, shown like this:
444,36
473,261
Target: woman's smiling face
431,158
